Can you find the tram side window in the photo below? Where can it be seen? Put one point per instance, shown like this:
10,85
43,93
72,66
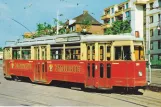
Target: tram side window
93,52
16,54
139,53
108,53
26,53
75,54
118,54
127,52
7,54
56,54
72,54
88,52
72,51
101,53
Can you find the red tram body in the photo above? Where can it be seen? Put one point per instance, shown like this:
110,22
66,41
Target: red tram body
117,73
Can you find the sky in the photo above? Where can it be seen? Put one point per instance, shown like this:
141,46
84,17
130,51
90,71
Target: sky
31,12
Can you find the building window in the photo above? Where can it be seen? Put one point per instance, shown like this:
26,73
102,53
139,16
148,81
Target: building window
151,6
151,45
108,12
159,32
127,14
127,5
151,32
112,9
151,19
159,44
112,20
151,57
159,17
159,57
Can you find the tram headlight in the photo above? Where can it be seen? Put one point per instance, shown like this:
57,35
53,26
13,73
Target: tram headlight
140,73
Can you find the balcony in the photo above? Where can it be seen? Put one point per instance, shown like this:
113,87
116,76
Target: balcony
107,16
141,2
119,12
106,26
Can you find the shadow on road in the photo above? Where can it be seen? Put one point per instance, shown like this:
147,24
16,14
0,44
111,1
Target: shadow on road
80,87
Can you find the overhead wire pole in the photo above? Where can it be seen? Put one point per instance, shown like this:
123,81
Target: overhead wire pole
149,61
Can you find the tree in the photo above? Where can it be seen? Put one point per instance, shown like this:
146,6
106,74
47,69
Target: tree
108,31
86,24
1,49
119,27
43,29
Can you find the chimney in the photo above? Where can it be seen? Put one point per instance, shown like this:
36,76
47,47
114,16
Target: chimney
85,12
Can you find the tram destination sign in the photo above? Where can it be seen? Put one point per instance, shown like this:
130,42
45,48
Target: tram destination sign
74,38
68,39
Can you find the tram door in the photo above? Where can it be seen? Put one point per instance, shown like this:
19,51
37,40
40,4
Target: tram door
37,64
43,63
103,66
40,56
91,66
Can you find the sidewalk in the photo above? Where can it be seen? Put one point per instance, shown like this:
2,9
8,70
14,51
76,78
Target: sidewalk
156,77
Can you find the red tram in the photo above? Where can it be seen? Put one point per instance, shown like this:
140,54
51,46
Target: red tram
96,61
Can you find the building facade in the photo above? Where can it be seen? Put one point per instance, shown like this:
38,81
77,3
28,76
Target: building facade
153,28
80,23
144,19
131,10
1,55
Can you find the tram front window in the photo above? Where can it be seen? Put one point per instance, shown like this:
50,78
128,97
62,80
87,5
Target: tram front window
122,53
127,53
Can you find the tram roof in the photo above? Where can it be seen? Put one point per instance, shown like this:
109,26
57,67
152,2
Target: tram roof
71,38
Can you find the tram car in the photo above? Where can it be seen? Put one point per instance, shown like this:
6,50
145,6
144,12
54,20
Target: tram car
95,61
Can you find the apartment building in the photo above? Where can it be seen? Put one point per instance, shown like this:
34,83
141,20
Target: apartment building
153,28
144,18
131,10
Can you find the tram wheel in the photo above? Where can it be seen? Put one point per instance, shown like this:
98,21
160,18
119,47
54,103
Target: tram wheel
15,78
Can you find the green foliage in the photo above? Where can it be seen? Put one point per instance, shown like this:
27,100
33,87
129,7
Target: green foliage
156,62
1,49
108,31
119,27
86,24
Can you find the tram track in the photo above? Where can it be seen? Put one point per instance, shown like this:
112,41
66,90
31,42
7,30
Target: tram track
143,101
44,95
138,100
23,100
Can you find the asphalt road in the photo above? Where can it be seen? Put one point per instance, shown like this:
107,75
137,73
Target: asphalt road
14,93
